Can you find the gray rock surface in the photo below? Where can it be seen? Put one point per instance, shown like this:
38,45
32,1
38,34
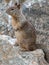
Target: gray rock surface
5,28
10,55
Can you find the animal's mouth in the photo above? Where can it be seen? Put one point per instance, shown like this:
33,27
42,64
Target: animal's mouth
16,29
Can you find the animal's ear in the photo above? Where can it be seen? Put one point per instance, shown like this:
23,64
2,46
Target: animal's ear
18,5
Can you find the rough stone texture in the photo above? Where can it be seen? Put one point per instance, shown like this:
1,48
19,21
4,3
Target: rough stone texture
5,28
38,13
10,55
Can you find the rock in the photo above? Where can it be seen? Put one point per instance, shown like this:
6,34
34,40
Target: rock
6,29
8,39
35,8
10,55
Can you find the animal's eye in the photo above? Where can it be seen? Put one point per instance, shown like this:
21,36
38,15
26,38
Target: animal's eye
12,9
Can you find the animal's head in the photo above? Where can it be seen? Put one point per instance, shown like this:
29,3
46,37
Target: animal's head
14,11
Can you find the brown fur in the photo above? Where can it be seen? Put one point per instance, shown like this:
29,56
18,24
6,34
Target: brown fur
24,31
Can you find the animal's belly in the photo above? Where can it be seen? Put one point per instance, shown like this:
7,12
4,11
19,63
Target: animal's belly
20,35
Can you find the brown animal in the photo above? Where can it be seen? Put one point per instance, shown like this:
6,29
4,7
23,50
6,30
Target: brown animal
24,31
